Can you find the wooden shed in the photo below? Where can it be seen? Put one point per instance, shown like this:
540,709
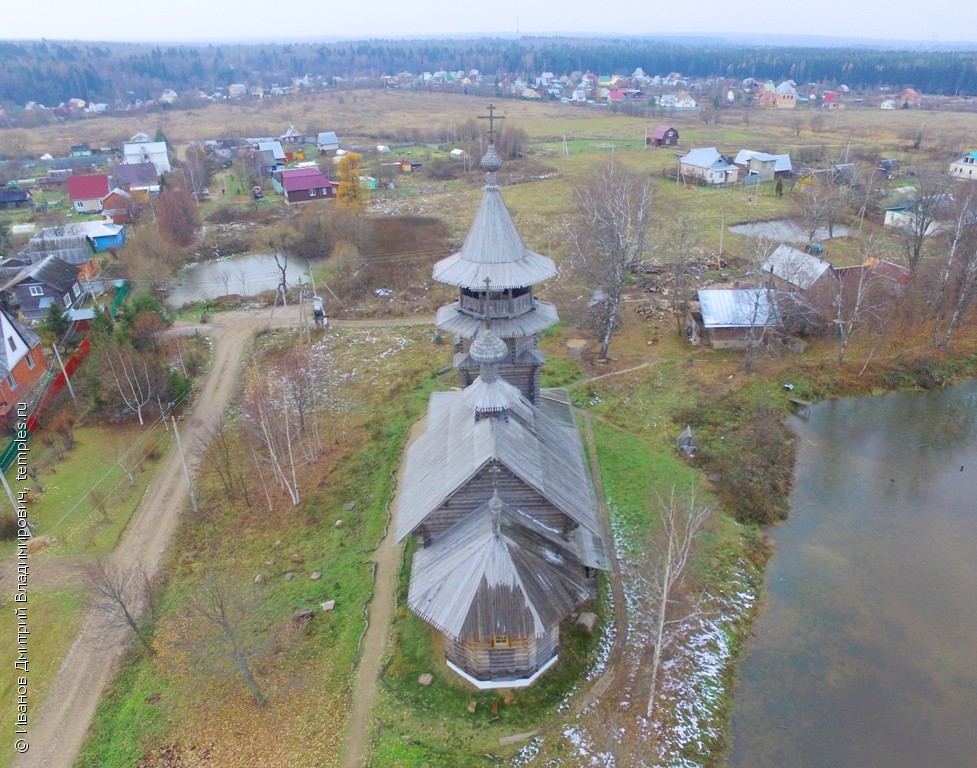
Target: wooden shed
663,136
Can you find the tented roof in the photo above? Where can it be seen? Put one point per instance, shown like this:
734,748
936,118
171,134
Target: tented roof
494,250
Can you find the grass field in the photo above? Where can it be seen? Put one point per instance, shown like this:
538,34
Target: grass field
53,618
183,701
83,501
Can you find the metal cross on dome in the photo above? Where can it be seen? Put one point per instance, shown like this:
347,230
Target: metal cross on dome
491,118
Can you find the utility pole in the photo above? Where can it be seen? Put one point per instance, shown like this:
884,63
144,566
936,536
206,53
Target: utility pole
722,230
10,495
186,469
67,378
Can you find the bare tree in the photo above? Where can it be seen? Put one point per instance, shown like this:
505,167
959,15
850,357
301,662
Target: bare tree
133,382
822,205
676,243
682,520
100,501
864,299
607,238
921,220
225,278
270,411
216,449
216,604
127,597
956,286
757,308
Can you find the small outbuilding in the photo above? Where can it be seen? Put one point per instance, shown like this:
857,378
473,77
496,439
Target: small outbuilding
663,136
737,318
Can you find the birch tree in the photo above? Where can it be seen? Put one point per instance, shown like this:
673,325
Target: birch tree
130,372
759,311
682,521
863,301
269,409
607,237
956,285
922,220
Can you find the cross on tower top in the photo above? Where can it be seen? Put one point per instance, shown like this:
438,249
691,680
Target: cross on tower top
491,118
495,470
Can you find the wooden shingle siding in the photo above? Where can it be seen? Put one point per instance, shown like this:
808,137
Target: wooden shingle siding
516,493
522,658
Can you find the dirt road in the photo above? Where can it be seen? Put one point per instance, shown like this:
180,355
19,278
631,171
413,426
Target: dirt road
59,726
387,558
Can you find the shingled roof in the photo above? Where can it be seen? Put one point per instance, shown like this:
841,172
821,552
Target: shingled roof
537,449
485,578
494,248
50,271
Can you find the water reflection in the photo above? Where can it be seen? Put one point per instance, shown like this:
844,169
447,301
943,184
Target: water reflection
864,654
244,276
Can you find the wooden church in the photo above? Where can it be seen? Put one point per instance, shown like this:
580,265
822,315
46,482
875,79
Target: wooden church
497,489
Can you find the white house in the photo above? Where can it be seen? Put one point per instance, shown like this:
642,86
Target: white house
763,164
708,166
964,167
137,150
327,142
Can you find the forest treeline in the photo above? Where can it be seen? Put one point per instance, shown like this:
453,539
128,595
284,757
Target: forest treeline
50,72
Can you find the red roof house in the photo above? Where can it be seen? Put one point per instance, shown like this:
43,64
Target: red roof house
87,192
303,185
663,136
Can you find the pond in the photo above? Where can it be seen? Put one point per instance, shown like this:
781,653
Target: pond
244,276
864,654
785,231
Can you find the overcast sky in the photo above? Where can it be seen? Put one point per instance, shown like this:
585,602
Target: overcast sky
935,21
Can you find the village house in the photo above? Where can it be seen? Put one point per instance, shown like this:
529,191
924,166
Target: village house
75,243
16,198
22,363
87,191
304,185
496,489
327,143
880,280
707,166
663,136
783,96
119,207
805,284
37,286
791,269
762,165
139,149
677,101
138,179
964,167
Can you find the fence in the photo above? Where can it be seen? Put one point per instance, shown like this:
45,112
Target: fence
37,413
